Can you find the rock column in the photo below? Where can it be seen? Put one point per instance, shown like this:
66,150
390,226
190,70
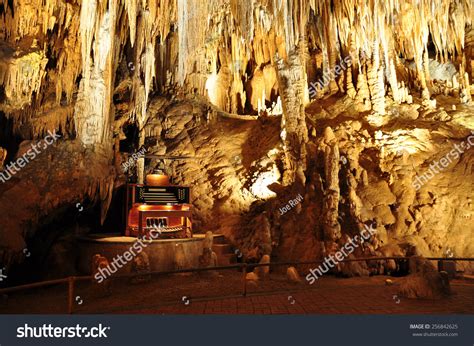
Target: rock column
331,227
294,133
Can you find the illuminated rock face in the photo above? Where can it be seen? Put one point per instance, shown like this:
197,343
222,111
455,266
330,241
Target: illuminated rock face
355,102
357,174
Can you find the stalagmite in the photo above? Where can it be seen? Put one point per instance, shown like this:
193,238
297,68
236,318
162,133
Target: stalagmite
294,132
363,94
332,229
464,87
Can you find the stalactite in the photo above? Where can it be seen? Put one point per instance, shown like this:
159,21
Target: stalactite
183,36
23,76
92,113
350,90
375,77
144,73
194,39
389,57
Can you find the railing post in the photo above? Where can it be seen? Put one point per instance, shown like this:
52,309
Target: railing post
244,278
70,294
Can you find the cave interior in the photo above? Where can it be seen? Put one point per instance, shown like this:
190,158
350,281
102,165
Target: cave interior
293,125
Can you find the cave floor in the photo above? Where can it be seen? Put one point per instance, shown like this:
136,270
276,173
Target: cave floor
194,294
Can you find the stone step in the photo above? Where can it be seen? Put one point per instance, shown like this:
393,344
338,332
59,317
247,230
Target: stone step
218,238
226,259
222,249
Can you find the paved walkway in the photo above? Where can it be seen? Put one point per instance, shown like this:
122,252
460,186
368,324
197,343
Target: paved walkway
335,296
194,294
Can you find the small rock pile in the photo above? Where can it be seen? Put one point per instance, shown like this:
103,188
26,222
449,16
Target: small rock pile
424,281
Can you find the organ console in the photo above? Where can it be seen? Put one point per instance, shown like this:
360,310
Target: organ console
158,205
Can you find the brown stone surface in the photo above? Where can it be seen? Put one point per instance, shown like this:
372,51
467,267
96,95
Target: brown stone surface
275,296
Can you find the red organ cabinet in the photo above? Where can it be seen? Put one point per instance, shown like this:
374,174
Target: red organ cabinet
158,206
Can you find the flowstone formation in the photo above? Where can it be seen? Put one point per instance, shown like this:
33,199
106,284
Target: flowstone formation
347,104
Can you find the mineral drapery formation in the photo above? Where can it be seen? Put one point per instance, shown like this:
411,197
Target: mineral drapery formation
58,52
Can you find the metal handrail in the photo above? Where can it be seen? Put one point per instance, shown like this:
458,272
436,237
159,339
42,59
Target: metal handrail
245,266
